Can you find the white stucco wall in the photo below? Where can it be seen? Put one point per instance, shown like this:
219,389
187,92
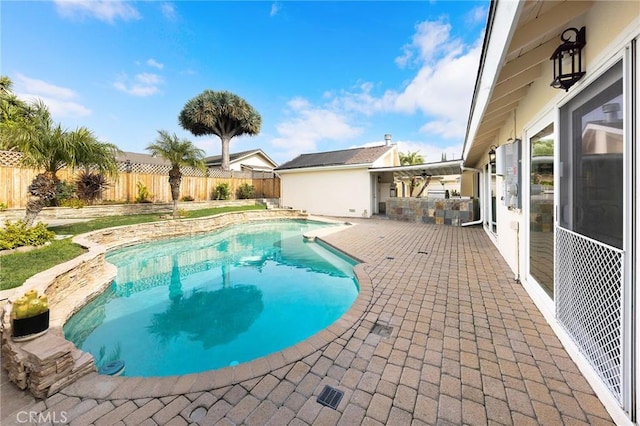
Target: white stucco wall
610,25
605,22
329,192
389,159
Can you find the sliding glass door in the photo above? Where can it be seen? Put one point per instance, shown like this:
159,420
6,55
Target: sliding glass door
541,207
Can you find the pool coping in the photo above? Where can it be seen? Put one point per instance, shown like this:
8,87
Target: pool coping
94,385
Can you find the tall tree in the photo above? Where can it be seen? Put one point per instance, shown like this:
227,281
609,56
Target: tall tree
223,114
48,146
180,153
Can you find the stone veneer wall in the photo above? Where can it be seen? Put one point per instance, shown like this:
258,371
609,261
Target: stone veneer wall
48,363
439,211
87,212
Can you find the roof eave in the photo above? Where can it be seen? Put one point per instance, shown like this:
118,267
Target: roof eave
325,168
502,22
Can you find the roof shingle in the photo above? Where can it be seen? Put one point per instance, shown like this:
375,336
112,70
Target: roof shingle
365,155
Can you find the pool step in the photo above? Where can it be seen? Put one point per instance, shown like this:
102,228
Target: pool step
270,203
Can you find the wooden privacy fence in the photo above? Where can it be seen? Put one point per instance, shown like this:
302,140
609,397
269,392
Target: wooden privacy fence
14,181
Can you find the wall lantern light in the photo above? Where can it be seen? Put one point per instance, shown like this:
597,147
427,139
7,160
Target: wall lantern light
492,155
567,59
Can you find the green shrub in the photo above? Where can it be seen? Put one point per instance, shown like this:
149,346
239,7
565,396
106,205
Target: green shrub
221,192
3,207
187,198
72,202
17,234
64,191
143,194
245,191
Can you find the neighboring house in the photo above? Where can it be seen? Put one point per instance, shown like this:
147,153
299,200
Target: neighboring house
562,203
336,183
135,158
252,160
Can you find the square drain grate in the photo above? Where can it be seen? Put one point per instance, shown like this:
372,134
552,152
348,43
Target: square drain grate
330,397
381,330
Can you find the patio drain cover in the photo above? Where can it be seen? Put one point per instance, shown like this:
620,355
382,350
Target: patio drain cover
330,397
381,330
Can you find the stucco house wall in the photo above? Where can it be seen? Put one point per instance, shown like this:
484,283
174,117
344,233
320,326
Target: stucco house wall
541,99
328,191
338,183
610,27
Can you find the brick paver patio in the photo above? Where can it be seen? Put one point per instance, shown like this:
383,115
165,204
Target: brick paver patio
466,346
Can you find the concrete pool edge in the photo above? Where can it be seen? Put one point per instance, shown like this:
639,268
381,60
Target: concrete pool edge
94,274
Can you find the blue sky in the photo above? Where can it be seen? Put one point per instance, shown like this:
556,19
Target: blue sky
323,75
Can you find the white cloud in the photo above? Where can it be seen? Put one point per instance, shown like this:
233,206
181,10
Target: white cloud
441,89
210,144
143,84
153,63
476,15
60,100
430,152
169,11
430,40
104,10
275,8
43,88
309,125
64,108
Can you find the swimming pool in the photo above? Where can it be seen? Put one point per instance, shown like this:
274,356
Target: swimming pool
198,303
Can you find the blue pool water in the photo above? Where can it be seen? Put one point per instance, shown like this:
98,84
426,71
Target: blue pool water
199,303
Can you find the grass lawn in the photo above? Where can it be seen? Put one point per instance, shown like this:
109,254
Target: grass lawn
15,268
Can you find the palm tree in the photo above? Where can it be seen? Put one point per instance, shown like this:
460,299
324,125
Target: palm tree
178,153
14,113
46,145
410,159
223,114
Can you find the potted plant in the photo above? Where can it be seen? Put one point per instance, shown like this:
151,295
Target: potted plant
29,316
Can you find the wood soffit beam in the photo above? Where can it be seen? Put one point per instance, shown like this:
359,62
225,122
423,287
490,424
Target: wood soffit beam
521,80
494,112
487,133
480,147
551,21
485,141
512,97
540,54
493,122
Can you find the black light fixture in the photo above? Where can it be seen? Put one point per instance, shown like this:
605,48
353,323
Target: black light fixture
492,155
567,59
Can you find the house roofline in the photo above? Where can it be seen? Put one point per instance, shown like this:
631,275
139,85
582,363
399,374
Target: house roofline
502,22
365,166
